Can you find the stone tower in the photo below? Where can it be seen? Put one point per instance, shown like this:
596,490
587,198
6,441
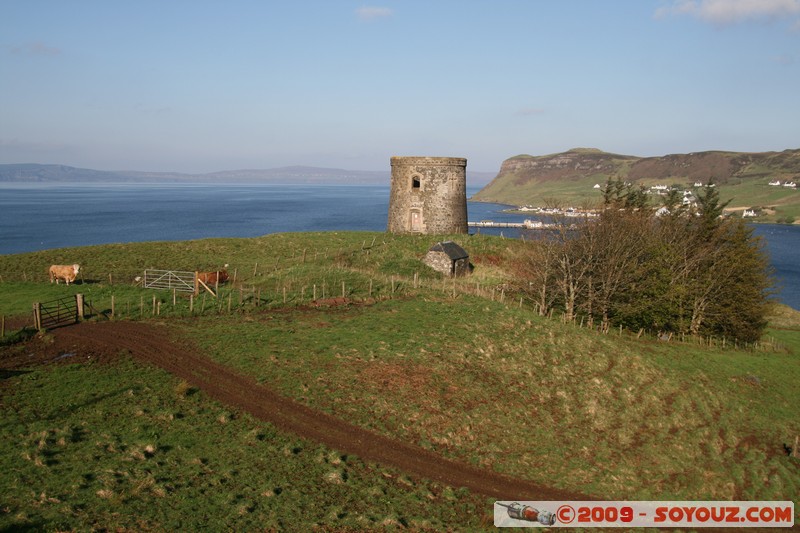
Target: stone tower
428,195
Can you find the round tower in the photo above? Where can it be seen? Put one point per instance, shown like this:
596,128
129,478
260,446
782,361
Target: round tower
428,195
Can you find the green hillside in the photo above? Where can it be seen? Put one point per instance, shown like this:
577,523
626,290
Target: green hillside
569,178
461,368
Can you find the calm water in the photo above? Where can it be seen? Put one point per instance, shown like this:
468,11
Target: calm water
38,217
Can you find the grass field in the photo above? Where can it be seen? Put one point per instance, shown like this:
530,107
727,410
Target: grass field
462,369
123,446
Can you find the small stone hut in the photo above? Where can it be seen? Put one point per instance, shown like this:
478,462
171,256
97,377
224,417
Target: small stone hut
448,258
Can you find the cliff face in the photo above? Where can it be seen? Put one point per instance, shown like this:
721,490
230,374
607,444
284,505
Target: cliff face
573,164
526,179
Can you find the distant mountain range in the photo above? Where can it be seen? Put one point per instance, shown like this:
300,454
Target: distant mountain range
571,176
33,173
30,173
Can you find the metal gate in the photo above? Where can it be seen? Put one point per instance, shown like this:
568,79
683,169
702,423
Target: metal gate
169,279
56,313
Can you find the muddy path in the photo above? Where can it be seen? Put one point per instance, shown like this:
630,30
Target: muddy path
150,343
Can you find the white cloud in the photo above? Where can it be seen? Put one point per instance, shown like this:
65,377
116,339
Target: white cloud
724,12
372,12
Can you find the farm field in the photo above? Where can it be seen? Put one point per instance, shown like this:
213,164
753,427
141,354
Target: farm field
99,434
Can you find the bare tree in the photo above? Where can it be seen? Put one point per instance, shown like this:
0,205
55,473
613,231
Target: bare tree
620,240
536,271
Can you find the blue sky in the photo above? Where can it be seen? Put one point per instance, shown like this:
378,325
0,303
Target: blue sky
201,86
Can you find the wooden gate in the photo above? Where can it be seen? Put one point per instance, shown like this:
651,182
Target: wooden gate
169,279
55,313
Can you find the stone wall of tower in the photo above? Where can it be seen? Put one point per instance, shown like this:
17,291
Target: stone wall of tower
428,195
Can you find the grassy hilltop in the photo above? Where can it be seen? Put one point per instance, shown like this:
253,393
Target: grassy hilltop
569,178
462,368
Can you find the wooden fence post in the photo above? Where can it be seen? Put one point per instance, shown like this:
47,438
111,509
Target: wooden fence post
79,305
112,307
37,315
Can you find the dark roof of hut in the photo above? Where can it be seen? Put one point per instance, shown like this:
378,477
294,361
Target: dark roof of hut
453,251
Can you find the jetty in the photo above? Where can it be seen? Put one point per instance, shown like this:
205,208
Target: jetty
526,224
493,224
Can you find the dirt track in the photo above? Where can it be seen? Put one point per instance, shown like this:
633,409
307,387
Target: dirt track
149,343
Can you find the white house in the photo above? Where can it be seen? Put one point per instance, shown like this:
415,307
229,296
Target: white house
790,184
775,183
749,213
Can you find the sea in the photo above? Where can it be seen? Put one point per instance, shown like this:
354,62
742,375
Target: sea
43,216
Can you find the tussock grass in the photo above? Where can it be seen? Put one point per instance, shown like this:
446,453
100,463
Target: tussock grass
490,384
86,447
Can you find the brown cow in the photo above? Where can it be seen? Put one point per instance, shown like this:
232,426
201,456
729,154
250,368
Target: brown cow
66,272
213,278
